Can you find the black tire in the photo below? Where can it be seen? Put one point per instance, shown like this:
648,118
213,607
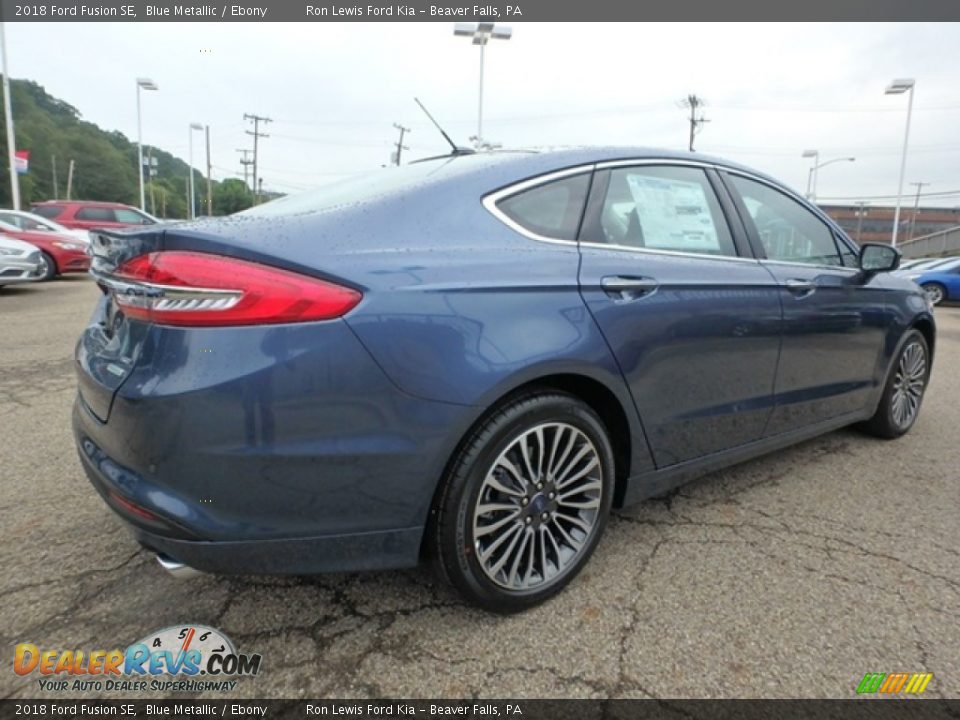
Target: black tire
543,513
887,423
935,291
49,267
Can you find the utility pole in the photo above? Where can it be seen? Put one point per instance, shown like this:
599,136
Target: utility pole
70,180
257,119
56,189
916,208
400,146
695,104
861,211
209,186
245,162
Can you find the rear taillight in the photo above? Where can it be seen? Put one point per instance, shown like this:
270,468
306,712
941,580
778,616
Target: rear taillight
199,289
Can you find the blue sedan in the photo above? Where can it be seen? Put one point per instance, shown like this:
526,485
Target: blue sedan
473,359
941,281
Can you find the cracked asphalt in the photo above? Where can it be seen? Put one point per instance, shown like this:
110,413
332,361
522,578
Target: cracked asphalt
788,576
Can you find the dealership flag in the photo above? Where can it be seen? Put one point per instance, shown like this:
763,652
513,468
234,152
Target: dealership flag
21,161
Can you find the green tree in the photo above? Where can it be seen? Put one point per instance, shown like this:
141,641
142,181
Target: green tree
230,196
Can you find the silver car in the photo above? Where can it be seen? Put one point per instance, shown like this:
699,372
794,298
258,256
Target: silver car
19,261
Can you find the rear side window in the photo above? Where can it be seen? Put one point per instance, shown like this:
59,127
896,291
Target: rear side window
132,216
47,211
552,209
95,213
664,208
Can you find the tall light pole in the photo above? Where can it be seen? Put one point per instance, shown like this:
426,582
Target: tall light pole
146,84
11,135
812,175
481,34
898,87
193,196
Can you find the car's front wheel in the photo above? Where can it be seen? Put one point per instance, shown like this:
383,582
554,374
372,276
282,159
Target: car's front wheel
525,502
48,266
935,292
904,389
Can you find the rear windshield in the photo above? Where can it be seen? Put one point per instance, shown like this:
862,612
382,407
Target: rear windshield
47,211
366,187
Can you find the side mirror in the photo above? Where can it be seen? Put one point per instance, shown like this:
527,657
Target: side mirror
876,257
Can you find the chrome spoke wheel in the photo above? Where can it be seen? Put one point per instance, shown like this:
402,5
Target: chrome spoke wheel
908,384
934,294
538,506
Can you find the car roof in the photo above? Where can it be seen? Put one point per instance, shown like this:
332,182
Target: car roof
89,203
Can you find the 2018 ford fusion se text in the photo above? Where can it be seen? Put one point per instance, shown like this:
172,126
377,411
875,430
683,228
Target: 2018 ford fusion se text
473,359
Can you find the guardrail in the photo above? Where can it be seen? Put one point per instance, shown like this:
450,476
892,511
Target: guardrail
944,242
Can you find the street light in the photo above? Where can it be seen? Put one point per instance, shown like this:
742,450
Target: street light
481,34
146,84
193,197
898,87
812,174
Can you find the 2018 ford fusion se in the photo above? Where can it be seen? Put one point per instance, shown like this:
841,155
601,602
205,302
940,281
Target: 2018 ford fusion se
474,358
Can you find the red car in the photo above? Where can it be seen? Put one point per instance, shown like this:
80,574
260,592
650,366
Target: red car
90,214
59,253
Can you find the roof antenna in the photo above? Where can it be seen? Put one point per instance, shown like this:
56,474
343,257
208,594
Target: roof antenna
456,149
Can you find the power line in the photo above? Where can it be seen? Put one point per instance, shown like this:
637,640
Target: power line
257,119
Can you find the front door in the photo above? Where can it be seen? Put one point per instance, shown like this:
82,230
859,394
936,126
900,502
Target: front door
834,323
694,325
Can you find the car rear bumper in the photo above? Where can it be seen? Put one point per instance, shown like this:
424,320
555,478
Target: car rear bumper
307,462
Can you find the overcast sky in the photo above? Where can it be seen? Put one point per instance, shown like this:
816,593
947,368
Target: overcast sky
334,90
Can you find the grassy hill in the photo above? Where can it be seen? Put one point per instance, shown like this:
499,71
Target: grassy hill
105,162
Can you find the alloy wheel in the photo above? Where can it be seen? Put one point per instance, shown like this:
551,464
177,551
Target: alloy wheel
538,506
908,384
934,294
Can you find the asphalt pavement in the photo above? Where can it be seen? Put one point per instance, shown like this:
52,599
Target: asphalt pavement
788,576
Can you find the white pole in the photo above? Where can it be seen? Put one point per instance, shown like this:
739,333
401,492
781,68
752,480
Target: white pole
480,106
903,169
143,197
8,116
193,208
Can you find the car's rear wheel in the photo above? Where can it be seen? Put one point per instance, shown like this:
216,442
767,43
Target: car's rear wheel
525,502
903,392
936,293
48,266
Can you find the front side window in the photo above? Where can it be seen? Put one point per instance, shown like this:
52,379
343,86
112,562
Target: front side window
552,209
664,208
788,231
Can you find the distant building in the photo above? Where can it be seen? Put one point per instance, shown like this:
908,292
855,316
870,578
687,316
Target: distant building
873,223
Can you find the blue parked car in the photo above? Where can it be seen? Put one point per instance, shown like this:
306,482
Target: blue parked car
472,359
941,281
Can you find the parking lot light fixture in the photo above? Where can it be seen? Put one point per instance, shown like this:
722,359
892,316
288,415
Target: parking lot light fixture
813,168
898,87
815,171
193,195
142,84
481,33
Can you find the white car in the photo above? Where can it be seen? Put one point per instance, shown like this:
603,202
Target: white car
35,223
19,261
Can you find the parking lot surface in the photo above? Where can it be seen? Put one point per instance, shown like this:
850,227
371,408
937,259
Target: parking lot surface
789,576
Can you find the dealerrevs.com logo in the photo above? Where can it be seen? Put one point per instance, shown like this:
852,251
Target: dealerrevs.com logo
180,658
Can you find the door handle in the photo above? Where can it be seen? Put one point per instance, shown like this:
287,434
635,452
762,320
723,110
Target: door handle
627,287
800,287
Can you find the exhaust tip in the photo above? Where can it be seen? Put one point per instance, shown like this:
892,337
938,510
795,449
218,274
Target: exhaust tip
176,568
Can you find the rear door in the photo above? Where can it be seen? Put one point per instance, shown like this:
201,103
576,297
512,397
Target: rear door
834,323
693,321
